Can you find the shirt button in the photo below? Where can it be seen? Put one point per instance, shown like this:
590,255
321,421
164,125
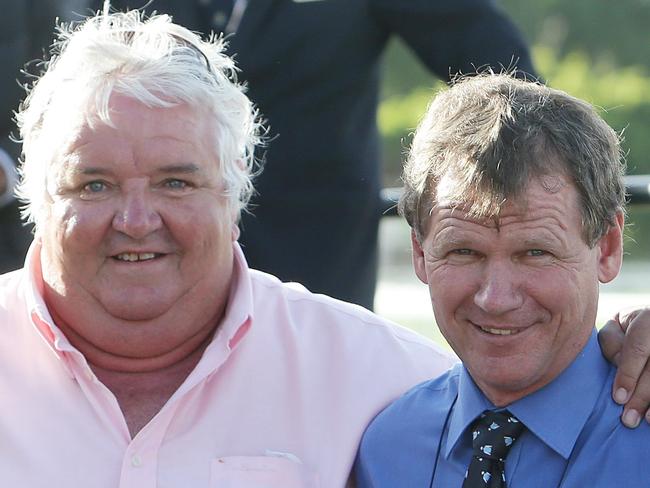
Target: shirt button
136,462
219,19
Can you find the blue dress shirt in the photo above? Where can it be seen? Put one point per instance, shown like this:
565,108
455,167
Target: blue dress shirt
573,435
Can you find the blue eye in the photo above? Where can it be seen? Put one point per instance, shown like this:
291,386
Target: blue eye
536,252
463,252
95,187
175,184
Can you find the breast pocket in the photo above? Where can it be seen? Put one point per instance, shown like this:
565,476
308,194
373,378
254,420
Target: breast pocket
260,472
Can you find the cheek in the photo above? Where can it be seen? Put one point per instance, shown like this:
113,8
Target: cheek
560,290
70,240
208,231
448,305
450,292
76,229
451,286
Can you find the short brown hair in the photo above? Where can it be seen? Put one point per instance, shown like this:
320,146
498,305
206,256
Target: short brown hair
493,133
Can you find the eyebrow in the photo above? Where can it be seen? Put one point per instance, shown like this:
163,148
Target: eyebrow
183,168
91,171
544,241
451,241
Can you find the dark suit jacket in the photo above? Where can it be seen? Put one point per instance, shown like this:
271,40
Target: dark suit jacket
313,69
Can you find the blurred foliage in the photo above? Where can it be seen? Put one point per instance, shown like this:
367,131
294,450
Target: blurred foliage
617,31
593,49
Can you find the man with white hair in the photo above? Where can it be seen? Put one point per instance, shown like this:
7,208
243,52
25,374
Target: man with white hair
138,349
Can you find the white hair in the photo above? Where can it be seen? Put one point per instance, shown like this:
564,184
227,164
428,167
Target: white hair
151,60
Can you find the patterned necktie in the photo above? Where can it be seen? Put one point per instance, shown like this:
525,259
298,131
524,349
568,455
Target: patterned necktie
493,434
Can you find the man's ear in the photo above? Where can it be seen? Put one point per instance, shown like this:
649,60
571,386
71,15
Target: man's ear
610,246
417,254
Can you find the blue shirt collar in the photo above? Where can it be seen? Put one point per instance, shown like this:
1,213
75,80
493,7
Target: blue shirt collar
555,414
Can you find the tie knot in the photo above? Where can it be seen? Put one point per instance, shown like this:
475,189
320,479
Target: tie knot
494,433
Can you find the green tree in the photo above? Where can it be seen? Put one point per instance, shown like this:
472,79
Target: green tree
593,49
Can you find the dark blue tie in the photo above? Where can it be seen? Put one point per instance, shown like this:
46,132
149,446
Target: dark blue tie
493,434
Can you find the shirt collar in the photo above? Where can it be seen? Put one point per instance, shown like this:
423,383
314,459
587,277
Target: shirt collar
234,327
56,342
38,311
238,316
555,414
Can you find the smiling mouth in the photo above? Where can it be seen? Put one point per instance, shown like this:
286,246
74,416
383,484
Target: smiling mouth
132,257
502,332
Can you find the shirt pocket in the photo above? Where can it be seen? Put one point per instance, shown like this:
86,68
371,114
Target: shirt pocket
260,472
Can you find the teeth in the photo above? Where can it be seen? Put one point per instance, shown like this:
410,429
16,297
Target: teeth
499,331
134,256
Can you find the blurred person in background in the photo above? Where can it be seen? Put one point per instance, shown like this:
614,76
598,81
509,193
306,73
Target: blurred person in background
25,32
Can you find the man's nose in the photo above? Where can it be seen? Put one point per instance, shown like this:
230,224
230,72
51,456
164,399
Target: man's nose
500,289
136,215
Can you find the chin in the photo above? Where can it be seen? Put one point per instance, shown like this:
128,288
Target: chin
135,314
505,375
136,306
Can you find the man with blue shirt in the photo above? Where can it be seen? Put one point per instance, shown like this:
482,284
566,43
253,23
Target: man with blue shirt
515,197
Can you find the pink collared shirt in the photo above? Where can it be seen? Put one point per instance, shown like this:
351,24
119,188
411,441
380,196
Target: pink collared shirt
280,397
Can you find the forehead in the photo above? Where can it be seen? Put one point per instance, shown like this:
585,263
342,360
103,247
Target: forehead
547,202
124,109
136,132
